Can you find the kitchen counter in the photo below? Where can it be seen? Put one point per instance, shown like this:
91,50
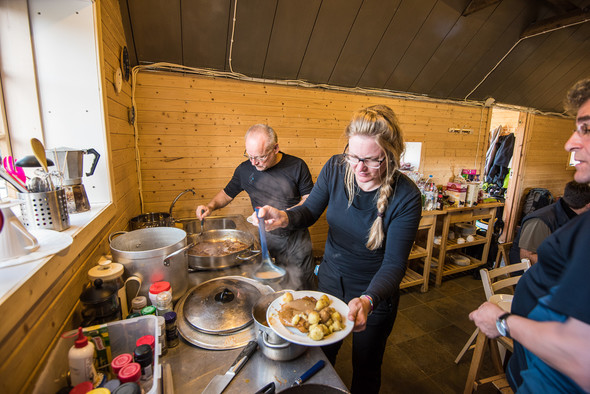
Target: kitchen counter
194,367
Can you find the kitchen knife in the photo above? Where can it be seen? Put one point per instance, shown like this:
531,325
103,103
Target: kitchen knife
220,382
309,373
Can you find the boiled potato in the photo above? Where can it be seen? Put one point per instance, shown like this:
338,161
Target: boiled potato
287,297
316,333
336,316
313,317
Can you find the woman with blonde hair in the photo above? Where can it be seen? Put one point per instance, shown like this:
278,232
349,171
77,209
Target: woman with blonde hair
373,212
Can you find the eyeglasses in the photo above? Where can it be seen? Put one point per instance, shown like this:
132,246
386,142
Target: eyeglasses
582,129
367,161
259,158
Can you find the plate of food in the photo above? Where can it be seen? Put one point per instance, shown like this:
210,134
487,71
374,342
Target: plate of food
309,318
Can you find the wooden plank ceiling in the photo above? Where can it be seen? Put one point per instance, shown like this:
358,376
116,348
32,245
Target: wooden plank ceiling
519,52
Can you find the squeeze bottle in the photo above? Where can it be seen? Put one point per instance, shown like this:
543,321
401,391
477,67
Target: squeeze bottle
81,360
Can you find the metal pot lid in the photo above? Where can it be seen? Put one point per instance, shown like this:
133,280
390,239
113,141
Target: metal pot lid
221,306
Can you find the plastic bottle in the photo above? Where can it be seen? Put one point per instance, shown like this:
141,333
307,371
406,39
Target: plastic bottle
81,360
430,194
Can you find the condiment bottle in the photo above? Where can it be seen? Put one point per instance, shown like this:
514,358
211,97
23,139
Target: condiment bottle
82,388
171,330
138,303
128,388
162,336
143,355
158,287
146,340
100,390
148,310
81,360
163,303
120,361
130,373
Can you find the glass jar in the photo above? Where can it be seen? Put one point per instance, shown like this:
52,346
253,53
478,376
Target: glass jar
163,303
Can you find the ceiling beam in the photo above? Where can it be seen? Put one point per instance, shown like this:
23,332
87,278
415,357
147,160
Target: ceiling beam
570,18
476,5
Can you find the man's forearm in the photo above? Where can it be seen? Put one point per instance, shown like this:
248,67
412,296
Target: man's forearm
527,254
219,201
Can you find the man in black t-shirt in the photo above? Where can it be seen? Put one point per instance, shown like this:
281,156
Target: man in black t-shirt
554,335
271,177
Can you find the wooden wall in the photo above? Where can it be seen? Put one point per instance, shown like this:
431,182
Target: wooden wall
191,132
38,312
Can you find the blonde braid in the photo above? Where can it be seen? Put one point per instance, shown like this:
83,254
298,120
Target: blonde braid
376,233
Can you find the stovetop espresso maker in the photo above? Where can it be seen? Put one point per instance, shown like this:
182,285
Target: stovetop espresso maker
70,163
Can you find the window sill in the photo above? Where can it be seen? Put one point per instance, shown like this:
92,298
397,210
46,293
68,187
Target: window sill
83,228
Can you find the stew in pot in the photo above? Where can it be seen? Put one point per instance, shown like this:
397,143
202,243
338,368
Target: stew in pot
217,248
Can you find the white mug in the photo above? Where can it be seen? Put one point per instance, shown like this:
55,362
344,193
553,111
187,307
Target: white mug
15,240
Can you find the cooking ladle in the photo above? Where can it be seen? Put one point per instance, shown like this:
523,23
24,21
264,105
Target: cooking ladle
267,271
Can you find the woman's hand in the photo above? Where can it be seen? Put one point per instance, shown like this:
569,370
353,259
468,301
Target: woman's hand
359,312
273,218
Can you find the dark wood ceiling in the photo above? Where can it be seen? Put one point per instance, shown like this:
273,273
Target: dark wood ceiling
520,52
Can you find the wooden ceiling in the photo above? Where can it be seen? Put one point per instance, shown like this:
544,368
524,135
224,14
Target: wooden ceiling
519,52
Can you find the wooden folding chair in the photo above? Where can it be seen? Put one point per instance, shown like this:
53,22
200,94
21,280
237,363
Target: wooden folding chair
503,253
494,280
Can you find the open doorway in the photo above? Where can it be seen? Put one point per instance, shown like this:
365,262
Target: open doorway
507,130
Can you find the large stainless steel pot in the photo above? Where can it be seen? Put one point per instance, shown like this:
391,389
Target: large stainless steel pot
157,219
153,254
271,345
196,262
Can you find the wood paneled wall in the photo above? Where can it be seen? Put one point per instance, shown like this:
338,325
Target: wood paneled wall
191,132
41,309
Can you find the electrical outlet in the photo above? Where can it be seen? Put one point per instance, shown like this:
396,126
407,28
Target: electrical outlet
452,130
466,131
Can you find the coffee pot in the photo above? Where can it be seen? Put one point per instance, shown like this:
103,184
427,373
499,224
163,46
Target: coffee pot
70,164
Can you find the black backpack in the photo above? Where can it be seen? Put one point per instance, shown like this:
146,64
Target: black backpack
536,198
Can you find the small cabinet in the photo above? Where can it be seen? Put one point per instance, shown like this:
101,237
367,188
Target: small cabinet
439,265
421,250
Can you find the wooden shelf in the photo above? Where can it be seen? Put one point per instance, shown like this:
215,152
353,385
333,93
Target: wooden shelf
452,243
452,268
412,278
418,252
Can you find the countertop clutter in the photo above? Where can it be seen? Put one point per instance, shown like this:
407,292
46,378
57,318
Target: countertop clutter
190,366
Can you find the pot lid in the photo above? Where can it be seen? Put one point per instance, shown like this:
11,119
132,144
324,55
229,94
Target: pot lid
221,306
97,292
106,270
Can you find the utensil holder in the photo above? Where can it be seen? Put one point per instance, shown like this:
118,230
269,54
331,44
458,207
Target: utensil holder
45,210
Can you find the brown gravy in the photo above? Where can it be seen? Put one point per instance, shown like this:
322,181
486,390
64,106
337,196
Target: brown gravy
302,305
217,248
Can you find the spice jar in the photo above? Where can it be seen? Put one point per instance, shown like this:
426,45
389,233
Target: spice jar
120,361
146,340
163,303
128,388
171,330
158,287
148,310
162,336
138,303
143,356
130,373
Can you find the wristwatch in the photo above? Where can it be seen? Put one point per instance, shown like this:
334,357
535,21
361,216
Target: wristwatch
502,326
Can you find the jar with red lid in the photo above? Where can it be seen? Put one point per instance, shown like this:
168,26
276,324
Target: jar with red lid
82,388
120,361
146,340
130,373
156,288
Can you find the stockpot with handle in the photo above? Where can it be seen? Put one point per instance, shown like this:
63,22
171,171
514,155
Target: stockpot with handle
153,254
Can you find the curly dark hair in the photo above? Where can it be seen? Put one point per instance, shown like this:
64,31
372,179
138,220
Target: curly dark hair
577,95
576,195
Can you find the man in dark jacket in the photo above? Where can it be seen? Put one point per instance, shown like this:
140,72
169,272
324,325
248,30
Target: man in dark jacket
539,224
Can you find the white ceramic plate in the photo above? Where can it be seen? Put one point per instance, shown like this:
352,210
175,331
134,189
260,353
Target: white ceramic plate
504,301
293,335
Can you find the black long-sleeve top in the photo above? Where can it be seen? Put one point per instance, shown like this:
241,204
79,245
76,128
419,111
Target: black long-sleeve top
377,273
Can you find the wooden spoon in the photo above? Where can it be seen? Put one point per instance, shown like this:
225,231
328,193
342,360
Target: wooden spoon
39,151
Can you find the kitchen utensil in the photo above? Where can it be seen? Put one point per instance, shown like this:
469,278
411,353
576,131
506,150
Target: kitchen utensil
34,184
268,389
209,262
232,340
45,210
309,373
144,251
220,382
15,240
39,152
202,221
267,272
31,161
313,389
6,176
16,172
70,163
111,274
